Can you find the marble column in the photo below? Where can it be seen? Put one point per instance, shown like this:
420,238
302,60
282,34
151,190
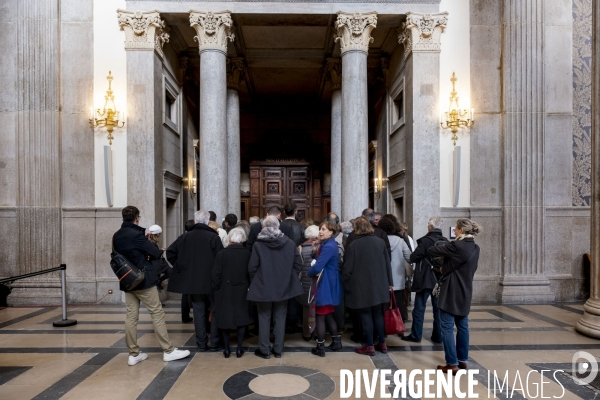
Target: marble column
213,31
523,279
420,35
334,68
145,34
589,324
353,31
235,75
31,148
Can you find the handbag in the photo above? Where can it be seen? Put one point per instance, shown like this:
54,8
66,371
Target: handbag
127,273
392,318
437,289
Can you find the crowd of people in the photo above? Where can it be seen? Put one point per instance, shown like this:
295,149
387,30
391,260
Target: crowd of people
280,275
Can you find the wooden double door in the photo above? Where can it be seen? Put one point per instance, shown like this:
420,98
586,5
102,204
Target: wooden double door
278,183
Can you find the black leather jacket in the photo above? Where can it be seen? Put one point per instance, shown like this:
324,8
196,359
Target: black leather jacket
297,230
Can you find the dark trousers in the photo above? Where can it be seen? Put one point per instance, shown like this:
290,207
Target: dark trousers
372,318
201,304
418,315
279,310
399,295
185,307
338,314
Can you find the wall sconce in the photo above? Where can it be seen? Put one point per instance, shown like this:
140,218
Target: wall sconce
109,115
194,185
378,185
455,118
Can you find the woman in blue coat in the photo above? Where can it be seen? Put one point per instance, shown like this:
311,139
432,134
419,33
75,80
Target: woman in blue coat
329,291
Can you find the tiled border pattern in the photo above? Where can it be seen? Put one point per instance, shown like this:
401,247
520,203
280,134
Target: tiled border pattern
582,102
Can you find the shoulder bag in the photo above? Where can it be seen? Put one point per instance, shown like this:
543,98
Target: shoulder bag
392,318
129,275
438,286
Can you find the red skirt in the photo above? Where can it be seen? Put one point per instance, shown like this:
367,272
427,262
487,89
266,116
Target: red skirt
324,310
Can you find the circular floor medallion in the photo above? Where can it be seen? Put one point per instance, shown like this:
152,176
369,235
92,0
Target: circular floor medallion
279,385
290,382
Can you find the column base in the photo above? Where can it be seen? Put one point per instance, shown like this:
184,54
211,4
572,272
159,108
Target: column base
524,289
35,296
589,324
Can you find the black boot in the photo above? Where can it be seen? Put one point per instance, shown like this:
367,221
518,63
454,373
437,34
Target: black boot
336,343
320,349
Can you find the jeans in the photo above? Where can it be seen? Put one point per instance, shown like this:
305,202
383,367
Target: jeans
459,351
150,299
372,317
200,305
264,325
418,315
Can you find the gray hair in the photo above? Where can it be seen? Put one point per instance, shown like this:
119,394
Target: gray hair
271,222
369,214
201,217
311,232
237,235
254,220
436,222
347,227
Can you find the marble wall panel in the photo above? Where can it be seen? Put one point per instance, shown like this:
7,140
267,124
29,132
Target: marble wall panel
10,242
485,12
486,80
557,159
78,242
8,160
486,160
558,69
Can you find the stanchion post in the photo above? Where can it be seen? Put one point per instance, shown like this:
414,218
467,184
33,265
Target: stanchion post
63,288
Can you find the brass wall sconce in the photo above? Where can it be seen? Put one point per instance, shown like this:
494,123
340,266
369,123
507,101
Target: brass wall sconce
378,185
109,116
194,187
456,117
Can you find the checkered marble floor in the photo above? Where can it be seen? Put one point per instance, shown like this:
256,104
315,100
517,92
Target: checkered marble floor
89,360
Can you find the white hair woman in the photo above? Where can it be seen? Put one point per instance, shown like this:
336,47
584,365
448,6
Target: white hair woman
274,267
454,302
231,282
311,233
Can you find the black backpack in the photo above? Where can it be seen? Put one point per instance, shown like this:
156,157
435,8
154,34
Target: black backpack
129,275
427,270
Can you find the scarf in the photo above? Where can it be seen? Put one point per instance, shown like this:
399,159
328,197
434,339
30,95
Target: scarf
270,233
464,236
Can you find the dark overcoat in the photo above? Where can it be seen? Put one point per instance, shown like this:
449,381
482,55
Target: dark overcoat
231,282
131,243
297,230
457,289
377,231
192,256
274,268
424,276
367,273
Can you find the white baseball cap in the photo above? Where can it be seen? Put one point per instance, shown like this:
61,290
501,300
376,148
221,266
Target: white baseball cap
155,229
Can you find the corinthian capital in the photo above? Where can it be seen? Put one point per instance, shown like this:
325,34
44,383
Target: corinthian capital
421,32
354,30
143,30
235,72
213,29
334,73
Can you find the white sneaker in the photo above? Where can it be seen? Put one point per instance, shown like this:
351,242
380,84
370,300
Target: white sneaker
134,360
176,355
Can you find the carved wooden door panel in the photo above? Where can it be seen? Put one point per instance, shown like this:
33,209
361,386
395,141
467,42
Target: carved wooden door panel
299,190
273,187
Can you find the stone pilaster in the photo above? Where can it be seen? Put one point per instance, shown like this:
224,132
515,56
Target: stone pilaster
334,75
213,31
589,324
143,33
422,32
523,133
31,174
235,76
143,30
353,31
420,35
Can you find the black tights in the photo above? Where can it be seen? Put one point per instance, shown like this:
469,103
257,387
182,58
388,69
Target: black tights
240,337
322,320
372,317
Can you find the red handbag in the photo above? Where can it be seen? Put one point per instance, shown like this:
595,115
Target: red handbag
392,318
